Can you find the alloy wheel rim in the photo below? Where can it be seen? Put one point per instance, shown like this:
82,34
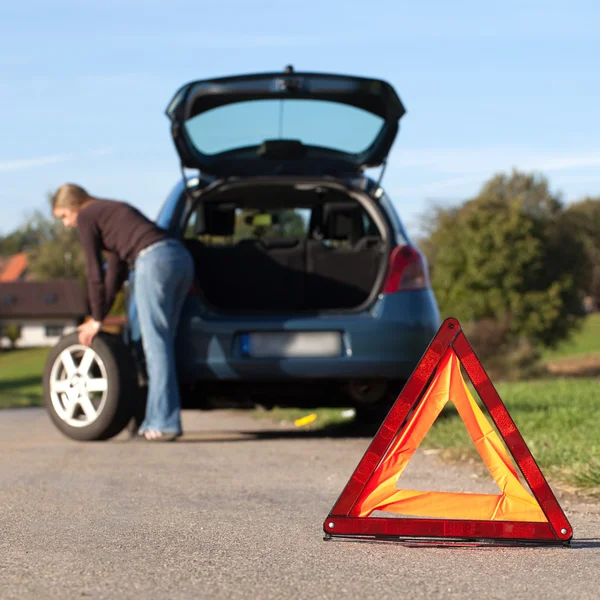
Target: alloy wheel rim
78,386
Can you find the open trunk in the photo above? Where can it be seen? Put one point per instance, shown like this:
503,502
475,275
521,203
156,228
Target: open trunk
287,247
294,123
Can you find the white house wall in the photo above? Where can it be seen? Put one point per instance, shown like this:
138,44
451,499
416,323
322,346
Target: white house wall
33,332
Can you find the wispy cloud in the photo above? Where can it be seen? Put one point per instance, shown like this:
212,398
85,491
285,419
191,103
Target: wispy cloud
24,164
453,170
102,151
267,41
443,186
30,163
480,160
567,163
132,78
208,40
13,60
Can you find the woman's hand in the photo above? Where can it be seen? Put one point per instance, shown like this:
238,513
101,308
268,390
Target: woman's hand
87,331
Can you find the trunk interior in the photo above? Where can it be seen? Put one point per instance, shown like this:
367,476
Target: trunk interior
287,249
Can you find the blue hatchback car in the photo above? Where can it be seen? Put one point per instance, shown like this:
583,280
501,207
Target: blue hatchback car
308,291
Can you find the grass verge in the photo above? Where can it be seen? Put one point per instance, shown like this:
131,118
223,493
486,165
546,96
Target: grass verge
584,342
557,417
21,377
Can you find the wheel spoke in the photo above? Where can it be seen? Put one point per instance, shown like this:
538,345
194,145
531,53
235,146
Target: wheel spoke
86,361
97,385
68,364
87,407
70,406
60,387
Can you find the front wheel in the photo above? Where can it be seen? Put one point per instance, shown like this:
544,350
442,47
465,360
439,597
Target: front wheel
89,392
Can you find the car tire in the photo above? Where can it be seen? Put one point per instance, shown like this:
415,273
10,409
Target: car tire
374,414
90,393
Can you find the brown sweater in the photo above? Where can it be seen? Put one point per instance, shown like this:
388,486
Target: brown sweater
123,231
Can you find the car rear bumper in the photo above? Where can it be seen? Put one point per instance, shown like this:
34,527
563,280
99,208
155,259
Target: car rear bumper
384,342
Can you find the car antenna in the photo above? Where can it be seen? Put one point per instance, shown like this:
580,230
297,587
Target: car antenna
288,69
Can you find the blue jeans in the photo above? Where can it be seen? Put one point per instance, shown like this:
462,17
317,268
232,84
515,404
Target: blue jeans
163,275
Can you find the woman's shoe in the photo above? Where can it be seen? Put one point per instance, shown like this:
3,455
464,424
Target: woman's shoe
156,436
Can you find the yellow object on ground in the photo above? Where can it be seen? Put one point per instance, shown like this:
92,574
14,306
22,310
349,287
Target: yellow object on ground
305,420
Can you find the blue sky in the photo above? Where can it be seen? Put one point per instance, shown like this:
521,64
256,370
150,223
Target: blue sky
487,87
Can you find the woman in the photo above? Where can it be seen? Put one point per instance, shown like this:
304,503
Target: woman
162,277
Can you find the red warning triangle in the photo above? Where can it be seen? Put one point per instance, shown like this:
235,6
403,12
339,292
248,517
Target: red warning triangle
513,516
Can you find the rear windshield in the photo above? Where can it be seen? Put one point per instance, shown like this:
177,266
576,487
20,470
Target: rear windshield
321,123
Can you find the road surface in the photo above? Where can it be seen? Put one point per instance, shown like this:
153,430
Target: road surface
235,510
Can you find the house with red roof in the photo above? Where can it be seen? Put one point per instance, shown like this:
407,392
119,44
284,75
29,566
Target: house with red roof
13,268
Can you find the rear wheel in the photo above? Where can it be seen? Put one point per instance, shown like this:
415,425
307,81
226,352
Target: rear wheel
89,392
374,413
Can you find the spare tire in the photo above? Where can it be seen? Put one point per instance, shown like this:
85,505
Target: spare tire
90,392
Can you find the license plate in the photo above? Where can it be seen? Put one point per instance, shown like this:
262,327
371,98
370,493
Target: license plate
285,344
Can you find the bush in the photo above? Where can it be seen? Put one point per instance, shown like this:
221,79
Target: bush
503,355
13,333
584,217
508,263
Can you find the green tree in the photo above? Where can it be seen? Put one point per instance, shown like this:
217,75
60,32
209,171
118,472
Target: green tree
584,217
13,333
291,224
27,237
58,256
57,252
509,257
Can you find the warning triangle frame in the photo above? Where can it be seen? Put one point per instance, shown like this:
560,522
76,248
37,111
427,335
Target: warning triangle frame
340,522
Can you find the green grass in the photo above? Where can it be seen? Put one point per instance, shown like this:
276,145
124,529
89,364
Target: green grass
21,377
584,342
557,417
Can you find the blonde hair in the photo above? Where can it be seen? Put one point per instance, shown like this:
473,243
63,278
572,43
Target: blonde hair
70,196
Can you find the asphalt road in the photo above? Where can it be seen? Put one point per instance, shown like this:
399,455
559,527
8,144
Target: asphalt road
235,510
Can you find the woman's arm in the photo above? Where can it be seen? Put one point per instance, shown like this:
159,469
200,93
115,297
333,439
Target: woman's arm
92,247
116,274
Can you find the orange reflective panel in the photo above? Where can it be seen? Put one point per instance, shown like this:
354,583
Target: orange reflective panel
380,493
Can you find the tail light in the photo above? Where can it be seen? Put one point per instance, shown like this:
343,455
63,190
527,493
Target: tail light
407,271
